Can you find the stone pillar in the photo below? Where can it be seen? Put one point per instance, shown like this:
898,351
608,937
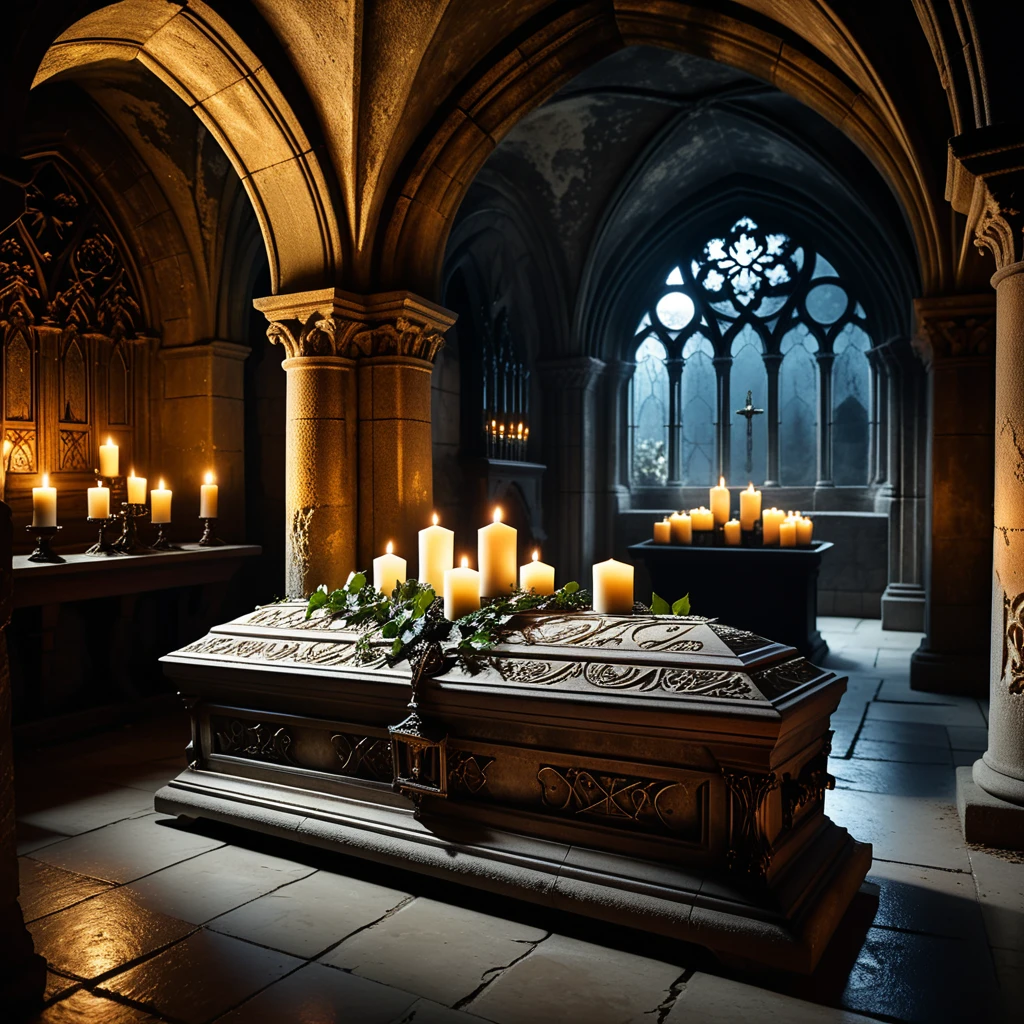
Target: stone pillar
202,428
617,376
570,430
22,971
320,500
986,182
825,361
772,365
880,432
675,422
723,370
956,343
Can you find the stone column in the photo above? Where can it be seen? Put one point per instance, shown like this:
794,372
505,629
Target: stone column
956,343
772,365
569,433
320,492
986,182
615,439
880,433
723,370
22,971
675,422
825,361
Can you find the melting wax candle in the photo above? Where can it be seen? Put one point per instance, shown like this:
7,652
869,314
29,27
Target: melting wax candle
461,591
437,554
750,508
537,576
496,555
388,570
662,532
733,533
160,503
109,458
682,527
720,502
99,501
208,499
44,504
613,588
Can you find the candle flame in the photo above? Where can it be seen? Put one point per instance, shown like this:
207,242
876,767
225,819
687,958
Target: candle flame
390,549
465,562
721,481
497,513
435,519
161,487
109,441
536,555
750,487
209,478
46,479
131,472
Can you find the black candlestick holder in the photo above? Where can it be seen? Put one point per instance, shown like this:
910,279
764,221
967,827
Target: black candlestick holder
102,545
128,543
163,542
209,539
43,551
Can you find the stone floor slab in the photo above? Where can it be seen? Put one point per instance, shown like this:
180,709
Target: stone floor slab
911,753
325,996
201,978
127,849
213,883
29,838
899,692
293,920
999,875
895,777
57,986
103,934
45,889
436,950
84,1007
912,830
905,732
968,737
966,713
564,979
83,812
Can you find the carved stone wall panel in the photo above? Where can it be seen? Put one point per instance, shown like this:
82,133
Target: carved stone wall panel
119,395
22,458
19,390
74,385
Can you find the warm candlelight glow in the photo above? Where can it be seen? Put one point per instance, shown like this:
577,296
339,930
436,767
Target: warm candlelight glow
497,514
208,496
209,478
44,504
537,576
109,458
496,557
435,519
721,481
389,570
46,479
389,548
465,562
536,555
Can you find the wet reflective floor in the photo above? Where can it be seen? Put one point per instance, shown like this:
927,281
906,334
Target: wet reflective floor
144,918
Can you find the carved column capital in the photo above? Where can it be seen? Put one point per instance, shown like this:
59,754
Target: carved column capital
955,327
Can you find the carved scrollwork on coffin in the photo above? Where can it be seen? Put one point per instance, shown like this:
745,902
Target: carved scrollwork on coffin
535,671
699,682
780,679
750,852
367,757
739,641
642,633
467,773
259,741
299,652
807,790
658,805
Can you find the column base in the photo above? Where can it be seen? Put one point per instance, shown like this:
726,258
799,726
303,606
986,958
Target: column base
955,672
986,819
903,606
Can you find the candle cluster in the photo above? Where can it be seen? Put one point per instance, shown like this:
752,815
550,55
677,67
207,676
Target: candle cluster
715,525
506,440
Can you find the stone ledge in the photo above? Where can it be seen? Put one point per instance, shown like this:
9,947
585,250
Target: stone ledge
985,818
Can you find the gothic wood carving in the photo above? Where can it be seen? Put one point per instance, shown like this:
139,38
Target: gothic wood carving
467,772
750,852
22,458
363,756
780,679
808,789
740,641
258,741
74,450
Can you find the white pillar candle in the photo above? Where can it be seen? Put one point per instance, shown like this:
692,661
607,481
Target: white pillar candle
702,518
733,533
613,588
461,591
99,501
804,531
787,533
496,555
44,504
160,503
208,499
136,489
662,532
538,576
437,554
770,521
108,458
750,508
720,502
388,570
682,528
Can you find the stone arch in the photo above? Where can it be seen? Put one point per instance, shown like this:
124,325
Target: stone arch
198,55
840,85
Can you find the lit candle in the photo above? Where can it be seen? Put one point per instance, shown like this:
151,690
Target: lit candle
160,503
702,519
733,533
136,489
663,532
461,591
720,501
750,508
787,533
804,531
208,499
771,518
108,458
537,576
437,554
496,555
613,588
44,504
99,501
388,570
682,527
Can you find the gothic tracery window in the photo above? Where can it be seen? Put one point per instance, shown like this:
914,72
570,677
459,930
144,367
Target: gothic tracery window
752,310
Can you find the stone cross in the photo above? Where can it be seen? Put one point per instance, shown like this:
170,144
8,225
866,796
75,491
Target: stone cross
750,412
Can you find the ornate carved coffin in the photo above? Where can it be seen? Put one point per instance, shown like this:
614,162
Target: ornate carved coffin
665,773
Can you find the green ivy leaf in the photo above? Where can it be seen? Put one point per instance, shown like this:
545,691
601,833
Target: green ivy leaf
659,606
316,601
389,629
682,606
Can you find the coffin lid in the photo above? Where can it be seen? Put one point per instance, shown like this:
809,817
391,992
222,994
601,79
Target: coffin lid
684,658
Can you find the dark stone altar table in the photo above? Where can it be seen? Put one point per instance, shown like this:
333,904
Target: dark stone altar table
771,591
663,773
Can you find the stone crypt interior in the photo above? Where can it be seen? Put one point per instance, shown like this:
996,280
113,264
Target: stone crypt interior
320,270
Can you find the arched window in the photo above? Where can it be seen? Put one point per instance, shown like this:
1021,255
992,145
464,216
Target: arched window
751,312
